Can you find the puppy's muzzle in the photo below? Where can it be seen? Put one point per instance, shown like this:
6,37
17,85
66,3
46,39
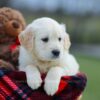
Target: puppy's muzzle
56,53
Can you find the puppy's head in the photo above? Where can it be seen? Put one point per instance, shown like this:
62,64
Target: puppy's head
46,38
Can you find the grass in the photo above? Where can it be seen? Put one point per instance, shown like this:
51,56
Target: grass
90,66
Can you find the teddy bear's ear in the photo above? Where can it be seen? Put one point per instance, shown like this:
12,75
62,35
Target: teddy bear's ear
26,38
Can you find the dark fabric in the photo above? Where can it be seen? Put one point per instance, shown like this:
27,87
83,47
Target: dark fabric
9,51
13,86
6,39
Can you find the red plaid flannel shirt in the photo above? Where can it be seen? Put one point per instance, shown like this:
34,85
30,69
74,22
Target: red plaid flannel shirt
13,86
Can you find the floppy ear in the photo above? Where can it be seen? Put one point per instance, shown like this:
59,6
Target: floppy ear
26,38
67,42
63,27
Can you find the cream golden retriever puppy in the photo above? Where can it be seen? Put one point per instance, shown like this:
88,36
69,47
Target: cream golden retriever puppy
45,49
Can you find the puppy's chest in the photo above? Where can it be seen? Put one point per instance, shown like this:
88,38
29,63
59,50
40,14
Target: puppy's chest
45,66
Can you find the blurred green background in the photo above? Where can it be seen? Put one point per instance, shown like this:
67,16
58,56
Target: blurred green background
82,19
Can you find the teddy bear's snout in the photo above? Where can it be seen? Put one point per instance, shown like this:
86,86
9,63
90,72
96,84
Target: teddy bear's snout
15,24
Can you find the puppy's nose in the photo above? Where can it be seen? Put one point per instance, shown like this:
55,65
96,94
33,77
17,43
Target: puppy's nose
55,53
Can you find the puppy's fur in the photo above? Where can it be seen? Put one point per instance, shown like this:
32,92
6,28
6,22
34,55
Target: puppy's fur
45,49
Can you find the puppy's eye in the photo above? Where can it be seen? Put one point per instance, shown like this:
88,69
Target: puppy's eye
59,38
45,39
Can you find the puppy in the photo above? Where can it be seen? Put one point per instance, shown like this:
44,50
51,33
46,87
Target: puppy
45,49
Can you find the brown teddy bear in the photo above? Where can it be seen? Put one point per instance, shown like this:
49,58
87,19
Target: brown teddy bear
11,24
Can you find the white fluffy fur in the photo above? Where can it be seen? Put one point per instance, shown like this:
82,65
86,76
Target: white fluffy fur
36,56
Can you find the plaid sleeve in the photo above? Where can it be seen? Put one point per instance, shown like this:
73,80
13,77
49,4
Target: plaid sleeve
13,86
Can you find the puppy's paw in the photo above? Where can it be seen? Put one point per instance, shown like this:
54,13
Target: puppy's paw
34,82
33,77
51,86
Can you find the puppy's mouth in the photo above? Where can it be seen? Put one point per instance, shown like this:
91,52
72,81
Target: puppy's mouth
54,58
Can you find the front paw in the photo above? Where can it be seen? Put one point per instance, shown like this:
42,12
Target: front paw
34,82
51,86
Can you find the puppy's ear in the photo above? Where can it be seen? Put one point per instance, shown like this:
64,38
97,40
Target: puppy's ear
26,38
63,27
67,42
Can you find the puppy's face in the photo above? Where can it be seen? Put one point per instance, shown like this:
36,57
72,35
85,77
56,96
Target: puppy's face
49,45
47,39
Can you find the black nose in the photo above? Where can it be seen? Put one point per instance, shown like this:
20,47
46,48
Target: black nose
55,53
